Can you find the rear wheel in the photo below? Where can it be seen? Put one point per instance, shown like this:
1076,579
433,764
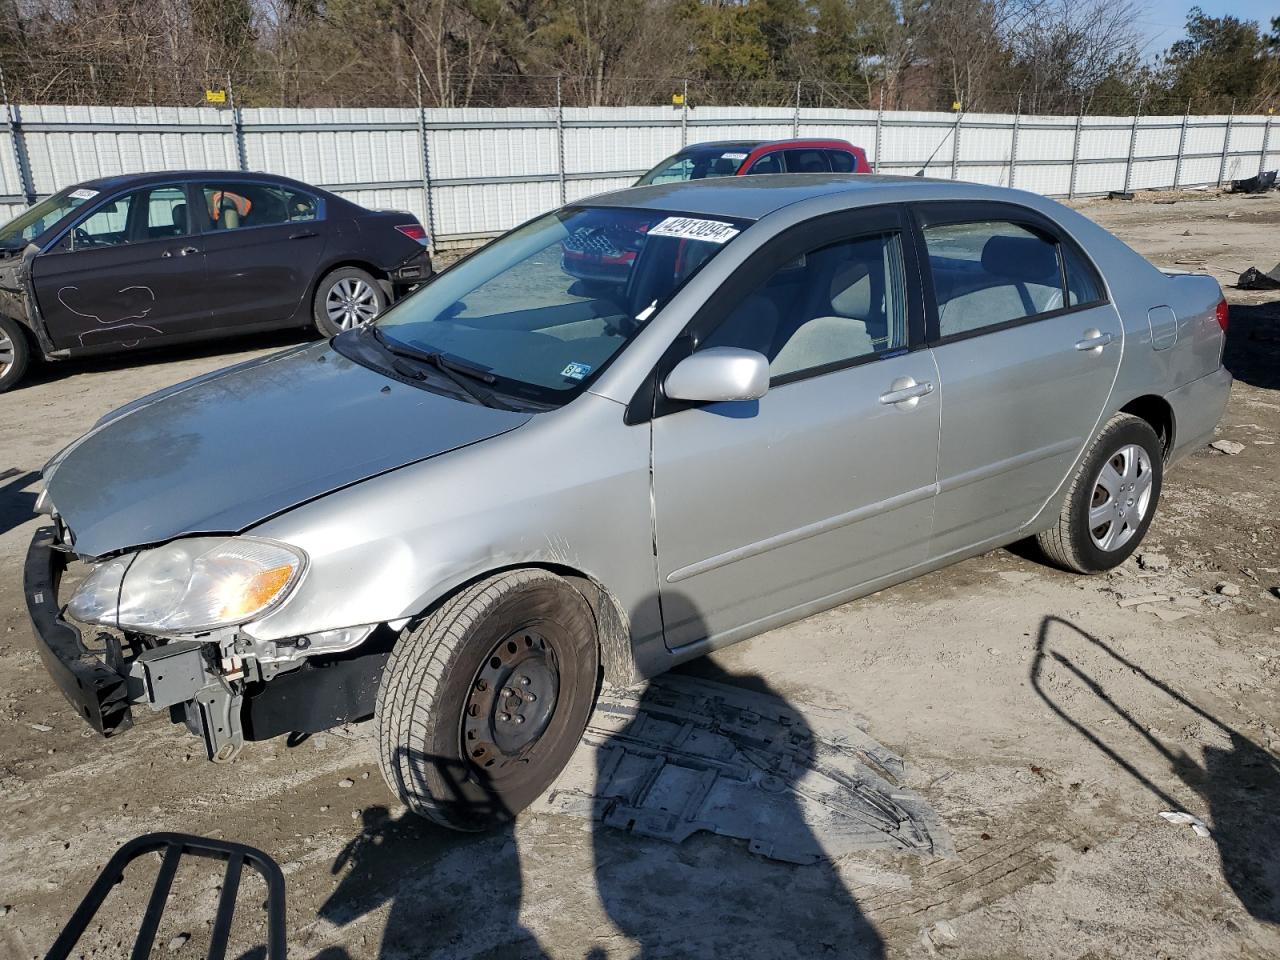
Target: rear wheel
1111,501
482,703
15,353
346,298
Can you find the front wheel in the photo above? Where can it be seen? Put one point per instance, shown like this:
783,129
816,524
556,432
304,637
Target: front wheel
483,702
1111,501
346,298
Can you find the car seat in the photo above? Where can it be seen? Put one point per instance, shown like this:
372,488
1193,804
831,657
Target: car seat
1022,277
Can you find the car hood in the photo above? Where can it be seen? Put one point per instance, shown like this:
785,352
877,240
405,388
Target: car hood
228,450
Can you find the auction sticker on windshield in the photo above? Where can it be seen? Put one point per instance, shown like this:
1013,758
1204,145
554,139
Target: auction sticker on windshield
83,194
689,228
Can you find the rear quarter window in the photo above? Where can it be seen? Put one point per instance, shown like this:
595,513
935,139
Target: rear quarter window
842,162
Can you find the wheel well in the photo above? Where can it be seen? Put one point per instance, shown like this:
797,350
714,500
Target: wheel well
1157,412
617,661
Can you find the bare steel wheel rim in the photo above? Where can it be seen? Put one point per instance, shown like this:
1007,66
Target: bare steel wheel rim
7,353
351,302
511,702
1121,497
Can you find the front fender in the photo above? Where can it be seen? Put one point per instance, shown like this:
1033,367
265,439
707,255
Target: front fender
568,491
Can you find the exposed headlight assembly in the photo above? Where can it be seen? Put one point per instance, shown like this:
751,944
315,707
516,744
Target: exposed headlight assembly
189,586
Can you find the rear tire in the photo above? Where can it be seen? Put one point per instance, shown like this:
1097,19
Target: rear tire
1112,499
15,352
483,702
345,298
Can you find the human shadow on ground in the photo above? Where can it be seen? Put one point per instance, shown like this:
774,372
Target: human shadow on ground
710,896
401,863
1237,785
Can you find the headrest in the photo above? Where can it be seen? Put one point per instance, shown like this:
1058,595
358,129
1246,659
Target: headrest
179,215
1027,259
851,290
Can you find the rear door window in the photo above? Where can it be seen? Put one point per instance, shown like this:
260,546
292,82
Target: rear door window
842,162
806,160
235,206
989,273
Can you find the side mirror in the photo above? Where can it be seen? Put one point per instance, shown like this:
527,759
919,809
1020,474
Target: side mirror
719,373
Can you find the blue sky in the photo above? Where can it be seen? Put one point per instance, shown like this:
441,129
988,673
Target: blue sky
1161,21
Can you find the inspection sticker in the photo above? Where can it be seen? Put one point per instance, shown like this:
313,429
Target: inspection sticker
576,371
734,156
83,194
689,228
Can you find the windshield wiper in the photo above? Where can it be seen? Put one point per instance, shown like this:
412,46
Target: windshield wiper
453,370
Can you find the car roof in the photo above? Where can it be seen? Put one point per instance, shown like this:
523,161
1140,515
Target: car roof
825,143
757,196
124,180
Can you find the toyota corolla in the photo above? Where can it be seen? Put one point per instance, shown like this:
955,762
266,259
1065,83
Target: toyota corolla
462,519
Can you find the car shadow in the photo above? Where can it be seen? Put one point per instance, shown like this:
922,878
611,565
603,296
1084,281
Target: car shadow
17,497
1252,351
1235,784
460,894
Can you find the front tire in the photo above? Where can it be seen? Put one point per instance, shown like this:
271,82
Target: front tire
483,702
15,353
1112,499
346,298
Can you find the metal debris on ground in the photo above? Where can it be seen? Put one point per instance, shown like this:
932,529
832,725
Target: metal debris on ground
687,755
1255,279
1264,181
1180,817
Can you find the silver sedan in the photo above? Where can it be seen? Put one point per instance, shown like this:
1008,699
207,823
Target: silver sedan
626,433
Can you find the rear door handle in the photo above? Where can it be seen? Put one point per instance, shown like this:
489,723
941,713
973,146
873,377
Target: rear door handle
906,391
1094,340
303,234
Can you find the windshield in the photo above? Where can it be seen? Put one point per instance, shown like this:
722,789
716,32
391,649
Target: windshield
697,165
21,230
542,310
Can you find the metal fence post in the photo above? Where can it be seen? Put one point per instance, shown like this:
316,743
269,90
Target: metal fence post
1226,146
955,147
879,123
1182,143
560,139
1133,142
427,205
1013,146
1266,145
19,141
795,117
1075,153
237,127
684,115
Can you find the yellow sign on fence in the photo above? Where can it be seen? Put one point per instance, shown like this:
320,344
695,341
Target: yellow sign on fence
215,96
677,99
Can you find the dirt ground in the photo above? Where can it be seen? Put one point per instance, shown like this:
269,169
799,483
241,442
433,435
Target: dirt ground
1047,719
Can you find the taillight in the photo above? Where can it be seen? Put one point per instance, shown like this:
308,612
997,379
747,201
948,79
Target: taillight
414,231
1222,314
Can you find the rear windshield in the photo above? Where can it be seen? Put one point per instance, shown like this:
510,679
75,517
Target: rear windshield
543,309
22,229
697,165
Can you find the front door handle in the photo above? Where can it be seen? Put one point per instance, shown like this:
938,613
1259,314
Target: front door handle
303,234
188,251
1094,340
906,392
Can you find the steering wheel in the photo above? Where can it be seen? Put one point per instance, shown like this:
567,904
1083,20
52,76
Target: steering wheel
83,238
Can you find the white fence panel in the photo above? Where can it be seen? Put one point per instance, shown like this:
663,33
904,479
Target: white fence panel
489,169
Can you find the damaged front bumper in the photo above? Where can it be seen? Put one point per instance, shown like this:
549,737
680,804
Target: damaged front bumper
223,698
